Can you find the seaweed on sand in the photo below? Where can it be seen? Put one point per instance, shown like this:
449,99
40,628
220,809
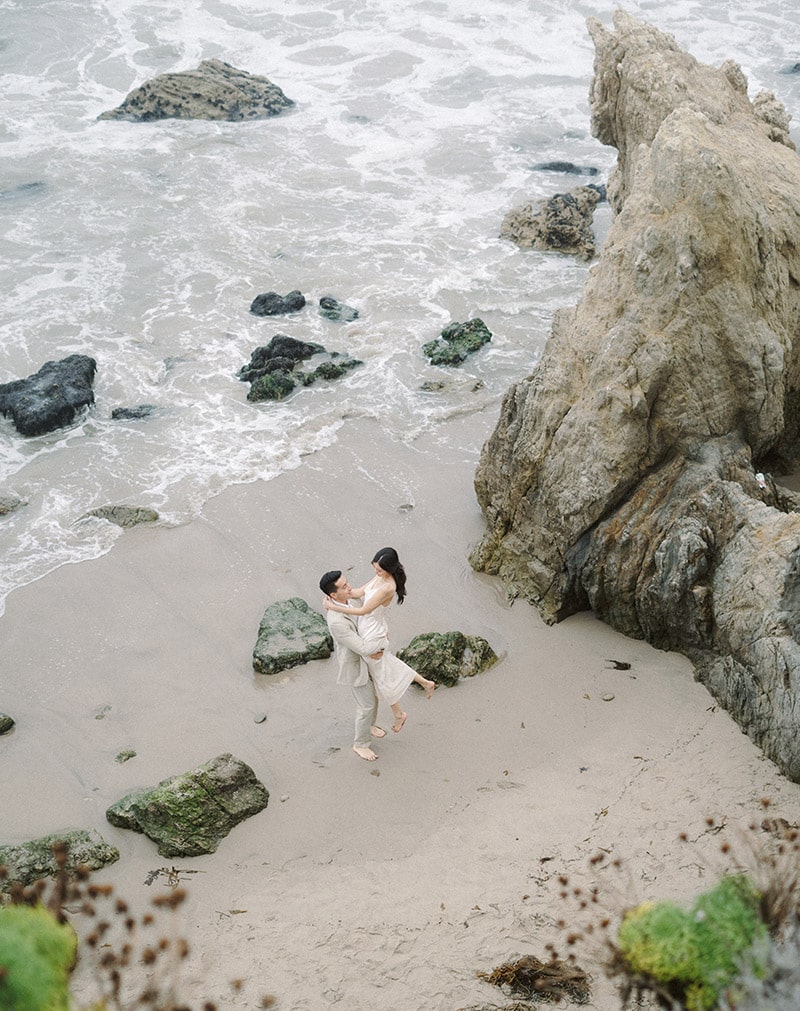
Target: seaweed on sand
533,980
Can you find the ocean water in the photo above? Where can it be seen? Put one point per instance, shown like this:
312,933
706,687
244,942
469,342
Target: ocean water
415,129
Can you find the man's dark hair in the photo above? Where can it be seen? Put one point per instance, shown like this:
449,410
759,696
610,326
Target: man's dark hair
328,582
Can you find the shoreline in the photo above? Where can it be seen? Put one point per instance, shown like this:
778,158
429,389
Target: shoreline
378,884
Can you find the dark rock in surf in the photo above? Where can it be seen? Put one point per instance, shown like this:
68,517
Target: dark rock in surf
133,413
446,657
8,503
33,860
566,168
290,634
6,723
123,515
562,224
52,397
272,370
190,814
282,352
456,342
273,304
215,90
24,191
330,308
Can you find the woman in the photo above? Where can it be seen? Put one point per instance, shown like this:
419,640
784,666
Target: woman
391,676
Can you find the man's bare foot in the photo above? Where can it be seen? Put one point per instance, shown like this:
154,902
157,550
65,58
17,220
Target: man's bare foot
366,753
377,732
399,721
430,688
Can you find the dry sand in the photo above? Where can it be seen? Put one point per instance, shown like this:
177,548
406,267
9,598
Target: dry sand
363,885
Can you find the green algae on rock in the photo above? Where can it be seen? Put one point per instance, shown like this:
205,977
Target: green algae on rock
290,634
29,861
456,342
190,814
445,657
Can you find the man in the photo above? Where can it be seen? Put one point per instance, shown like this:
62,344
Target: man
350,648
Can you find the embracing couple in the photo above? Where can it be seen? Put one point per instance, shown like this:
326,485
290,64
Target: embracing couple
360,632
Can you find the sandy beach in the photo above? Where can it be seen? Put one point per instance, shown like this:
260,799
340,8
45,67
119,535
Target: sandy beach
363,885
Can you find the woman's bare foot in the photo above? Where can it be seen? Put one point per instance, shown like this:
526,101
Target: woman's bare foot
430,688
377,732
366,753
399,720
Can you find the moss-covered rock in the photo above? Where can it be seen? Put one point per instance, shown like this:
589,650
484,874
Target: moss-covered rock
27,862
456,342
445,657
290,634
36,955
6,723
190,814
695,955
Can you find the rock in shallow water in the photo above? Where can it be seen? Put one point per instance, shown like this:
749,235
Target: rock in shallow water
52,397
215,90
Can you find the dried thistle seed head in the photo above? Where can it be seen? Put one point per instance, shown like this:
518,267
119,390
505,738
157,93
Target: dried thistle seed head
182,946
268,1000
725,848
563,879
121,906
147,919
149,956
765,802
171,900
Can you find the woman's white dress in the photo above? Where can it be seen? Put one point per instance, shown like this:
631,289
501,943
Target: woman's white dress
390,675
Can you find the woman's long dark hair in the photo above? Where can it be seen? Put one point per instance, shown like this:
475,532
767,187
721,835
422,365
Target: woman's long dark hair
389,562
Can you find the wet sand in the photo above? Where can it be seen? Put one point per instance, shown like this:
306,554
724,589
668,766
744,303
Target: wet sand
367,885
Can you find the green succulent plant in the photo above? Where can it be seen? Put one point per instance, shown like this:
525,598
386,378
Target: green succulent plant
36,956
695,955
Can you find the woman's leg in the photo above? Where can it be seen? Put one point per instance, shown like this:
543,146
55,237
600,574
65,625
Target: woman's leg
429,686
399,717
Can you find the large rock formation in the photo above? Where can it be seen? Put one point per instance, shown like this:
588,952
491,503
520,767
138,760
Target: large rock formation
622,474
214,90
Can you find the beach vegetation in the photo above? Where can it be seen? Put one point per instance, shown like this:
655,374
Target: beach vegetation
68,926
